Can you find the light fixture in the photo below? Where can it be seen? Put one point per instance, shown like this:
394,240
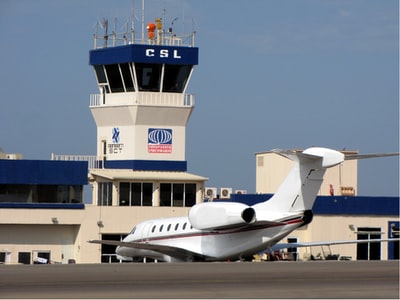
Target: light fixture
100,224
54,220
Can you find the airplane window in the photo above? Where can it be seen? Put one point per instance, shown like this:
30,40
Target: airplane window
176,226
153,229
184,226
169,227
133,230
161,227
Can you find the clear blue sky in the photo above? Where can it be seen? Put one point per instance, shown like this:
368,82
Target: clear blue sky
271,74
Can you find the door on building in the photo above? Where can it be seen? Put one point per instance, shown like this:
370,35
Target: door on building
24,258
292,252
41,257
368,251
393,232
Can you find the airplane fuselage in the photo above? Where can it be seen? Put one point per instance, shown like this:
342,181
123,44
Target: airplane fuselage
206,245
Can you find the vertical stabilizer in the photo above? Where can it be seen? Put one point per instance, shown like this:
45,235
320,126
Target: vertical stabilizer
300,188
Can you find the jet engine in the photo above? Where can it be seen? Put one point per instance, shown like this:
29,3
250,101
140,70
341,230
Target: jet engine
213,215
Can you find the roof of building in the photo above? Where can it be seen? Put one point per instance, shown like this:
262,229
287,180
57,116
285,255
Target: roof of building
43,172
338,205
125,174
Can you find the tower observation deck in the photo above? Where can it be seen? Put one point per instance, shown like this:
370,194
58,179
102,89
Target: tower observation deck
142,107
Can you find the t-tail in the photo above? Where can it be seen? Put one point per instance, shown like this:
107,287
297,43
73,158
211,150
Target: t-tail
300,188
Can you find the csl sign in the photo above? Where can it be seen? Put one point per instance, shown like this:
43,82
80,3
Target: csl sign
163,53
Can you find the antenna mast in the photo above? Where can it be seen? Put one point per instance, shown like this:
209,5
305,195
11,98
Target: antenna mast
142,21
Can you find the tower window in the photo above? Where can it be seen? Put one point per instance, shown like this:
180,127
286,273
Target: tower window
114,78
175,78
148,76
101,76
127,76
104,196
136,194
177,194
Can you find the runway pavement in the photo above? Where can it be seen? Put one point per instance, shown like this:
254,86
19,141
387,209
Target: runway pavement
322,279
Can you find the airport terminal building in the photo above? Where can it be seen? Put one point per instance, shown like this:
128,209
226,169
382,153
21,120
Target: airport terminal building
140,171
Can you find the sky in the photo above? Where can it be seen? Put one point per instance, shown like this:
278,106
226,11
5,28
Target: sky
272,74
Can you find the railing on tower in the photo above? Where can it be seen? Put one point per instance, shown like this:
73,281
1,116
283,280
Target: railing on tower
145,98
156,35
93,161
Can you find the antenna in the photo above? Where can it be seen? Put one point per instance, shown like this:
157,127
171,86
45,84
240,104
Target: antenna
142,21
172,25
104,24
133,24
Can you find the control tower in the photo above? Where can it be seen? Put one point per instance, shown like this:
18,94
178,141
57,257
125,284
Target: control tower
142,108
141,112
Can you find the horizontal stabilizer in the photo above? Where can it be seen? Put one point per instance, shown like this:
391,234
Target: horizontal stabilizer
362,156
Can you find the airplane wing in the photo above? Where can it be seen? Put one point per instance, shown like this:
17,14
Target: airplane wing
175,252
281,246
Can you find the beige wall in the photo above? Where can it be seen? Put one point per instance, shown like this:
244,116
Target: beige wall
27,230
337,228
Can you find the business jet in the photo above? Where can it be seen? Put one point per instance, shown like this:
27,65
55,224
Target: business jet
221,231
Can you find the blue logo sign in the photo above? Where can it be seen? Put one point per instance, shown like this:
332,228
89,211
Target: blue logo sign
115,135
159,140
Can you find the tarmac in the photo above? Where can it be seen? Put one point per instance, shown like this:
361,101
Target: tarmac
244,280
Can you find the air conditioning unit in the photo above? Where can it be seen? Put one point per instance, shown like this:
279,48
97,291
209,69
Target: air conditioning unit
225,193
211,193
240,191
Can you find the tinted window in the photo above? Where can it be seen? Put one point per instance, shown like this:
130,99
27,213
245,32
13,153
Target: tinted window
127,76
165,194
114,78
175,78
148,77
147,194
101,76
190,194
136,191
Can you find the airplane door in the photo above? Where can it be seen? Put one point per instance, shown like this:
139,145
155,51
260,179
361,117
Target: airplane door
146,232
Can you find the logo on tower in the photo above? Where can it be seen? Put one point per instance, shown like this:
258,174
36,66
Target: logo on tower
116,147
159,140
115,135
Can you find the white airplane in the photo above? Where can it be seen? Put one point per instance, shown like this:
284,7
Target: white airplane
220,231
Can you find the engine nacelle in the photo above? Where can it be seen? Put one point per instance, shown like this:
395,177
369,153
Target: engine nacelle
213,215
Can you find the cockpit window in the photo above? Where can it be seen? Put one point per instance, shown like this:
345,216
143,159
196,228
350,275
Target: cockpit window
133,230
